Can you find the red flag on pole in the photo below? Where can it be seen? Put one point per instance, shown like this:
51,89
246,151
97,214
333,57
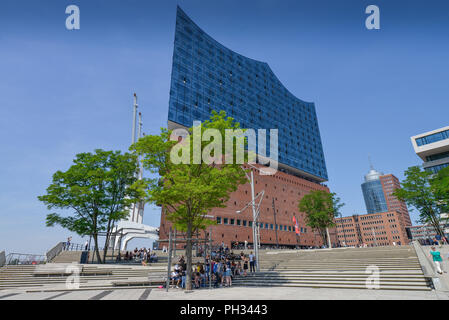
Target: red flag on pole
296,225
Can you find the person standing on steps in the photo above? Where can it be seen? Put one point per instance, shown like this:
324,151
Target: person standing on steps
69,239
251,263
245,266
436,256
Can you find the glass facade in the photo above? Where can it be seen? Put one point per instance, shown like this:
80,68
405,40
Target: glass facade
207,76
374,196
437,156
437,168
433,138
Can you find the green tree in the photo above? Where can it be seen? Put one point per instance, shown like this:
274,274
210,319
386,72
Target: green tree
188,191
99,188
440,186
321,209
419,190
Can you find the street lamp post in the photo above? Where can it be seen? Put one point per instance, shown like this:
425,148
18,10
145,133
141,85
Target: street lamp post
343,225
275,225
256,211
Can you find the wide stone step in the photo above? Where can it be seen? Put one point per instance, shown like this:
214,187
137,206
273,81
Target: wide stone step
328,276
336,286
331,281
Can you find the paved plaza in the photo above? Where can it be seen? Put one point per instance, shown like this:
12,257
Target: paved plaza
235,293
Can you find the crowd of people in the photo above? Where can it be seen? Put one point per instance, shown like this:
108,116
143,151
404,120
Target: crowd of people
219,268
438,240
142,255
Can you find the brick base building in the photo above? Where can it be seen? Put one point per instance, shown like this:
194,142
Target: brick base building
285,191
376,229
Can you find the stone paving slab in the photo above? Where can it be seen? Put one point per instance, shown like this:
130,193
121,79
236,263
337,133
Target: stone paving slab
79,295
131,294
276,293
238,293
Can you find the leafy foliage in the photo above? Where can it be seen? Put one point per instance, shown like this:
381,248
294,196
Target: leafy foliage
189,190
321,208
423,191
440,186
99,188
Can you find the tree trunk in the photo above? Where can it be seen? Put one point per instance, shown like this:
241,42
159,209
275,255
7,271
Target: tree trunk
437,228
436,223
323,236
328,238
97,251
189,257
106,243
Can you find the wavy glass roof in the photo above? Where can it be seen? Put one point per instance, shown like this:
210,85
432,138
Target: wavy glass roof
208,76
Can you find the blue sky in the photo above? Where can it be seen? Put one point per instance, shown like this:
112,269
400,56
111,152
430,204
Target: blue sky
65,92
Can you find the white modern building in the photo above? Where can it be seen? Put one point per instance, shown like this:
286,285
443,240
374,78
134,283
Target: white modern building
433,148
133,226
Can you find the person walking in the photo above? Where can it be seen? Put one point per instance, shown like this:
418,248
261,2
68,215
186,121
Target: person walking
436,256
245,266
251,263
228,276
86,244
69,239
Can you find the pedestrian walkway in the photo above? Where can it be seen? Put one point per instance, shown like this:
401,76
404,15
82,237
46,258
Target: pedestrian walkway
235,293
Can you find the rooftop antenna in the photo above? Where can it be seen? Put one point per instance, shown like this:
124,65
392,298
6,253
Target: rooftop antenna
370,163
133,140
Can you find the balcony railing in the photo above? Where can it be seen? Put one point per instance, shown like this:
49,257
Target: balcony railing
25,259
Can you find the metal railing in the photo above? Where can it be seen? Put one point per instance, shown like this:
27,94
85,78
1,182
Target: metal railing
25,259
2,258
53,252
80,247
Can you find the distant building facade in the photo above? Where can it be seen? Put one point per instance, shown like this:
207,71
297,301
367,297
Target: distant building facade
433,148
376,229
387,217
425,233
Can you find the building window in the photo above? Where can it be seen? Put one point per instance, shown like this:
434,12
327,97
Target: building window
218,220
232,221
239,222
250,223
225,220
244,223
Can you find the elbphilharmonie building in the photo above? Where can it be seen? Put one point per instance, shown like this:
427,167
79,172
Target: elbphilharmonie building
208,76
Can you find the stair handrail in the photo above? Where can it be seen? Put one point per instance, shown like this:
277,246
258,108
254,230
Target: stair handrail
53,252
429,268
426,265
2,258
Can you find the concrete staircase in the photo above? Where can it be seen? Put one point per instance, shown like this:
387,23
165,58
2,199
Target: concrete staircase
68,257
54,276
398,267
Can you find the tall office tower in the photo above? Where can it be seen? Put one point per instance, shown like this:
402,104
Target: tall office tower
373,192
387,217
389,184
378,191
208,76
433,148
